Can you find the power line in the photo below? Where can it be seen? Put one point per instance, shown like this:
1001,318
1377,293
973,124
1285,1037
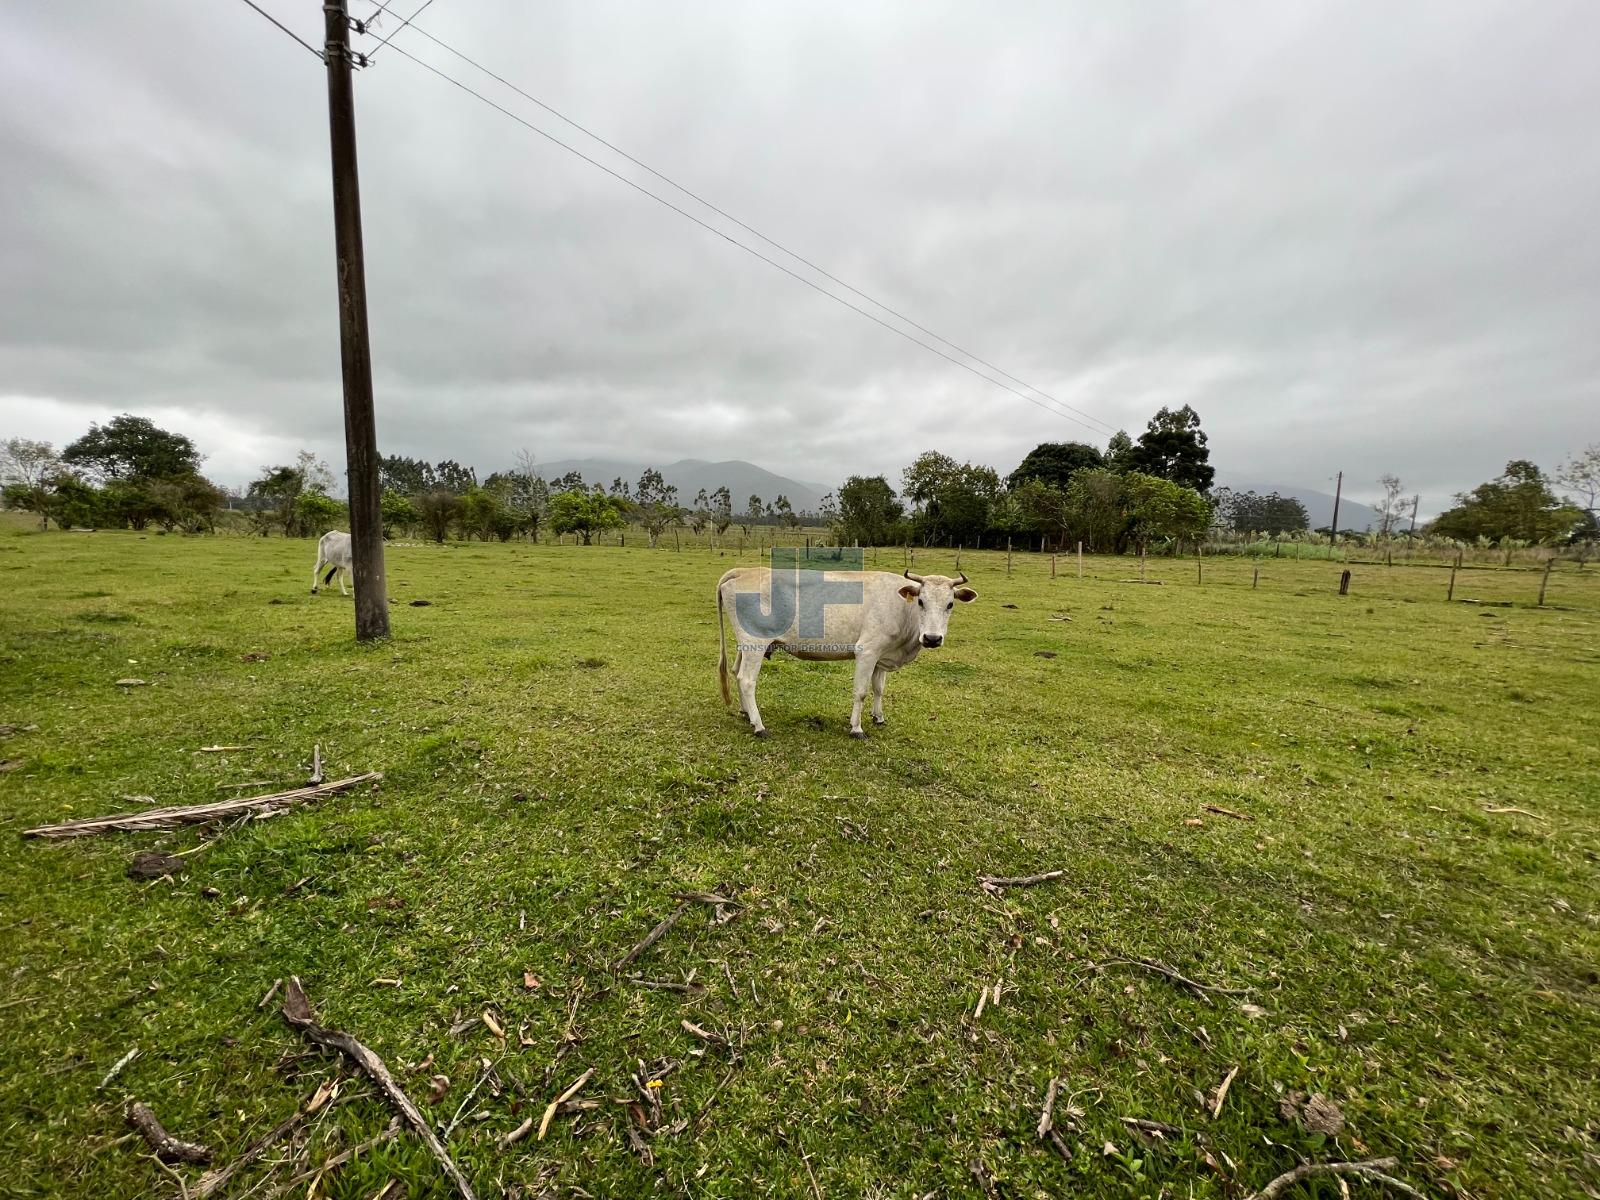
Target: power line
398,27
814,286
286,29
384,6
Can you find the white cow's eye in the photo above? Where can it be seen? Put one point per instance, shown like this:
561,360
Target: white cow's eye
949,606
919,603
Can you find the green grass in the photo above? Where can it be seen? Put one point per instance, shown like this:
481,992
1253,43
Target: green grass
558,761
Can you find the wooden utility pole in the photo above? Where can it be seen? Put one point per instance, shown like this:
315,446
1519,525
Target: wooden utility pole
355,354
1333,526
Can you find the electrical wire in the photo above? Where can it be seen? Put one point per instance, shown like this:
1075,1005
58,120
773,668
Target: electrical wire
398,27
383,5
286,29
813,285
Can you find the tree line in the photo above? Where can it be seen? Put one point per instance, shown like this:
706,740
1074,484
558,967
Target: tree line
1151,493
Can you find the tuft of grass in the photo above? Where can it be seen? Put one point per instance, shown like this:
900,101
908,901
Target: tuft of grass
1424,962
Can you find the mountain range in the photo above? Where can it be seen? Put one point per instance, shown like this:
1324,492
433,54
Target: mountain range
689,475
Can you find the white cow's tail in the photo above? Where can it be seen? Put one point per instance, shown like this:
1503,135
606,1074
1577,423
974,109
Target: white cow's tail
722,645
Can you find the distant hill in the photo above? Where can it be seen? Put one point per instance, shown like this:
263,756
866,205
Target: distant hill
689,475
1319,505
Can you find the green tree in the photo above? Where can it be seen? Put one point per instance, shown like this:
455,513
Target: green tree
29,472
189,501
1158,509
585,512
754,510
784,511
954,500
1247,512
485,514
721,510
129,447
1519,504
868,510
657,504
1119,452
403,476
399,514
1095,509
316,513
1044,507
700,514
437,510
1174,447
1055,463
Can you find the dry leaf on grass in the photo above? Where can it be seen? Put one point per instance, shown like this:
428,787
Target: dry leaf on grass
1315,1113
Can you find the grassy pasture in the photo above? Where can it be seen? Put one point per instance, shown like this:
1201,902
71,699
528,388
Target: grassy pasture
558,762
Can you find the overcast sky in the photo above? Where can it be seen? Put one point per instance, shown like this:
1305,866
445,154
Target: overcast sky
1357,236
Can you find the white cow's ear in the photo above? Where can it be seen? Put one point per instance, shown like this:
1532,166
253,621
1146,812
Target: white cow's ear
909,592
965,594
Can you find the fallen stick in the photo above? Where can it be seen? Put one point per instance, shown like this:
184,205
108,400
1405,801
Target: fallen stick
1158,1128
1226,812
656,934
994,883
550,1112
167,1147
1521,812
116,1068
297,1011
212,1181
1372,1168
316,766
1200,989
1047,1117
198,814
667,985
1222,1093
220,749
517,1134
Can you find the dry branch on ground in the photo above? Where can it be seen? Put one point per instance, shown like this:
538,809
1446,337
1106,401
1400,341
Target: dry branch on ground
198,814
297,1011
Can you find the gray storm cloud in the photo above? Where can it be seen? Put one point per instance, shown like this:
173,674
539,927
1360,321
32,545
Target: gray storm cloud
1354,236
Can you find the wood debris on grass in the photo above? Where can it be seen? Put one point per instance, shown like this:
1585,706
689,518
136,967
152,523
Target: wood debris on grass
1227,812
1373,1169
1221,1093
1203,990
576,1086
167,1147
213,1181
197,814
1521,812
298,1013
315,779
116,1069
656,934
152,864
995,885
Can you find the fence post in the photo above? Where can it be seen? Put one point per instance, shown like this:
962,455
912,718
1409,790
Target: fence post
1008,557
1255,578
1141,564
1199,569
1344,583
1545,582
1454,567
1080,560
1052,566
958,558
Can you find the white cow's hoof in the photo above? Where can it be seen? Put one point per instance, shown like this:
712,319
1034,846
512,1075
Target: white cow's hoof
858,733
879,721
761,733
313,591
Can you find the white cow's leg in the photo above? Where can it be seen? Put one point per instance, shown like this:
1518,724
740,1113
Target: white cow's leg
880,677
343,571
865,669
747,667
315,571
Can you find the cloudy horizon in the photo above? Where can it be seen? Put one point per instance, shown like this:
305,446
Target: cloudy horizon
1353,237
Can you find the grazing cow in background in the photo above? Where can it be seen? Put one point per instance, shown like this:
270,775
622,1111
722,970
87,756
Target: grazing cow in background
880,619
333,552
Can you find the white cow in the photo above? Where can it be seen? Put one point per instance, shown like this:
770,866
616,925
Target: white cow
881,620
333,552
